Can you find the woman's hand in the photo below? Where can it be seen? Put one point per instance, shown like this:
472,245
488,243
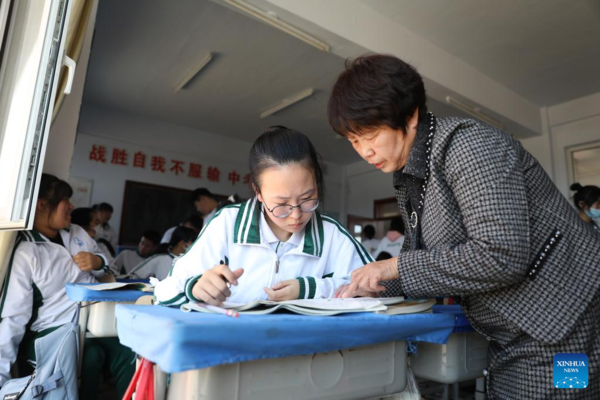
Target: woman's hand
213,286
358,293
284,290
367,278
87,261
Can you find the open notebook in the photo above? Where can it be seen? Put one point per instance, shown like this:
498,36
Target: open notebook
317,306
144,287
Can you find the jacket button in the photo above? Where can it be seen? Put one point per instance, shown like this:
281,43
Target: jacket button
485,372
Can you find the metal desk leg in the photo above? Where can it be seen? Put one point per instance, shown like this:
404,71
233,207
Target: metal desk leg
480,389
84,313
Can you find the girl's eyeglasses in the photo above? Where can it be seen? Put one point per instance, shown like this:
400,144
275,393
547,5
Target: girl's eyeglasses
285,210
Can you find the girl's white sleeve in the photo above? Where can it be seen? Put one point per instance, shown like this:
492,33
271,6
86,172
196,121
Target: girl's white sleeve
349,255
15,310
209,250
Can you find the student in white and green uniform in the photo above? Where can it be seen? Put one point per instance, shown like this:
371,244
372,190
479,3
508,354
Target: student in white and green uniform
127,260
274,246
159,265
34,300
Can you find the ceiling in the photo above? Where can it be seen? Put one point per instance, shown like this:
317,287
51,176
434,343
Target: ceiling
143,48
548,51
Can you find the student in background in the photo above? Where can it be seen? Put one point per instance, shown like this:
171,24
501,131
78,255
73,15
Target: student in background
587,202
160,265
34,300
88,219
369,242
278,246
104,230
193,222
205,203
393,240
129,259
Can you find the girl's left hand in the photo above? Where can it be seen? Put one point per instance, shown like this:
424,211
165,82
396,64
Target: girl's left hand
87,261
284,290
367,278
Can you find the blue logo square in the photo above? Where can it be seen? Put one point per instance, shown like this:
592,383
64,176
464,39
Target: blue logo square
570,371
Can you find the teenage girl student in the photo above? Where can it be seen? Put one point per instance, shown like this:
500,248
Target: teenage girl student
88,219
160,265
34,300
274,246
587,202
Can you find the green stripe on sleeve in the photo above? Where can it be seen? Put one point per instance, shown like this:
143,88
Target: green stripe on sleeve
189,286
7,280
312,287
172,301
302,292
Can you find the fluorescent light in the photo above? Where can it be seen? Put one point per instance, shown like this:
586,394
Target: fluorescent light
277,23
474,112
193,72
288,101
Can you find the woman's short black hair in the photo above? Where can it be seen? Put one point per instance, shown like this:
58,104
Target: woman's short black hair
588,194
196,194
182,233
374,91
53,191
279,146
83,217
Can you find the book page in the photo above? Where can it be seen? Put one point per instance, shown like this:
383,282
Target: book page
119,285
363,303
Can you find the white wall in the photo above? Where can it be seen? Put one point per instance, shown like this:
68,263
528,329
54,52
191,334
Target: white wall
113,129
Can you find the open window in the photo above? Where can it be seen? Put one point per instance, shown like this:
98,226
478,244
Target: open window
31,53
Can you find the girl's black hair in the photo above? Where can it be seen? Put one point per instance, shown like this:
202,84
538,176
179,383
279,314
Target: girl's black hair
53,191
279,146
104,207
588,194
83,217
369,231
182,233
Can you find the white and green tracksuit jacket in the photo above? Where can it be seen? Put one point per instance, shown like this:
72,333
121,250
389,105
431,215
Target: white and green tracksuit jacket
157,266
322,262
34,298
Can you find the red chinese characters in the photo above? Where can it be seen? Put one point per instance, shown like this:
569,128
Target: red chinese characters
177,167
119,157
98,153
195,171
157,163
213,174
139,160
233,177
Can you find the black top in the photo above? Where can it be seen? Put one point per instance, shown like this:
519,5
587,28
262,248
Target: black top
412,178
57,240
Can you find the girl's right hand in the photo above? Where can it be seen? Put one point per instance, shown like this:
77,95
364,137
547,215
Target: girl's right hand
213,286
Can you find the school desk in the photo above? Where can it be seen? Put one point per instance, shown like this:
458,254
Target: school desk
279,356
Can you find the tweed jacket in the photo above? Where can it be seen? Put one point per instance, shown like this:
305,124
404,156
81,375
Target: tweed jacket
496,231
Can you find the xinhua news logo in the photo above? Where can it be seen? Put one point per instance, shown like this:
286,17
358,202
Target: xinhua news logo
570,371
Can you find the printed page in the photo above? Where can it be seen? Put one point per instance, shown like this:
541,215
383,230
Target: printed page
363,303
118,285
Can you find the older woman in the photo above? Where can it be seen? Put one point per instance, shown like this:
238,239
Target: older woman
484,224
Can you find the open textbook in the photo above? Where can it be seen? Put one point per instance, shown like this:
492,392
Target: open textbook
144,287
320,307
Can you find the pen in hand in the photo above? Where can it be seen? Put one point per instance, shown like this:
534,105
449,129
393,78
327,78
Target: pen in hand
226,282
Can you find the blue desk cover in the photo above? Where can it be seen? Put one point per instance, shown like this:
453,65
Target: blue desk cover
179,341
80,293
461,323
